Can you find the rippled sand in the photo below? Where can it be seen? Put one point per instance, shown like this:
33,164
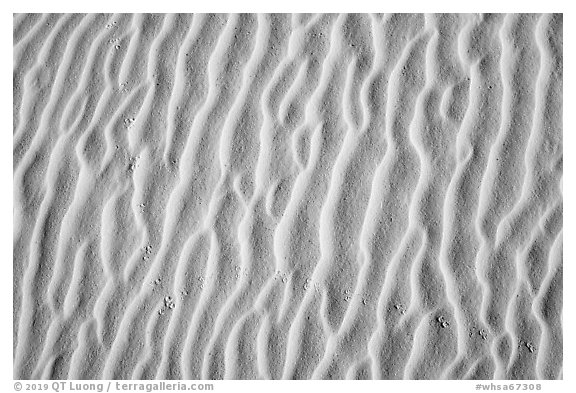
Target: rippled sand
277,196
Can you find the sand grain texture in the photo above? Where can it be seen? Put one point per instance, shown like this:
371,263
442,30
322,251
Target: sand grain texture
287,196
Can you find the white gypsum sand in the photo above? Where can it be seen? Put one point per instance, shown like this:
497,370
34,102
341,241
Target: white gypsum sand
287,196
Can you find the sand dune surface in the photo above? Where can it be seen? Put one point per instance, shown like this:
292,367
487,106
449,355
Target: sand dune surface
287,196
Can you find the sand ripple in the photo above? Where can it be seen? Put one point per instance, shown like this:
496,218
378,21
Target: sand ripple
276,196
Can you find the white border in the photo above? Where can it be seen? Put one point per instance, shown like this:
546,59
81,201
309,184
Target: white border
568,384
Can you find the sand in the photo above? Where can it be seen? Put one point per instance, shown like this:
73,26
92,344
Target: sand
287,196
